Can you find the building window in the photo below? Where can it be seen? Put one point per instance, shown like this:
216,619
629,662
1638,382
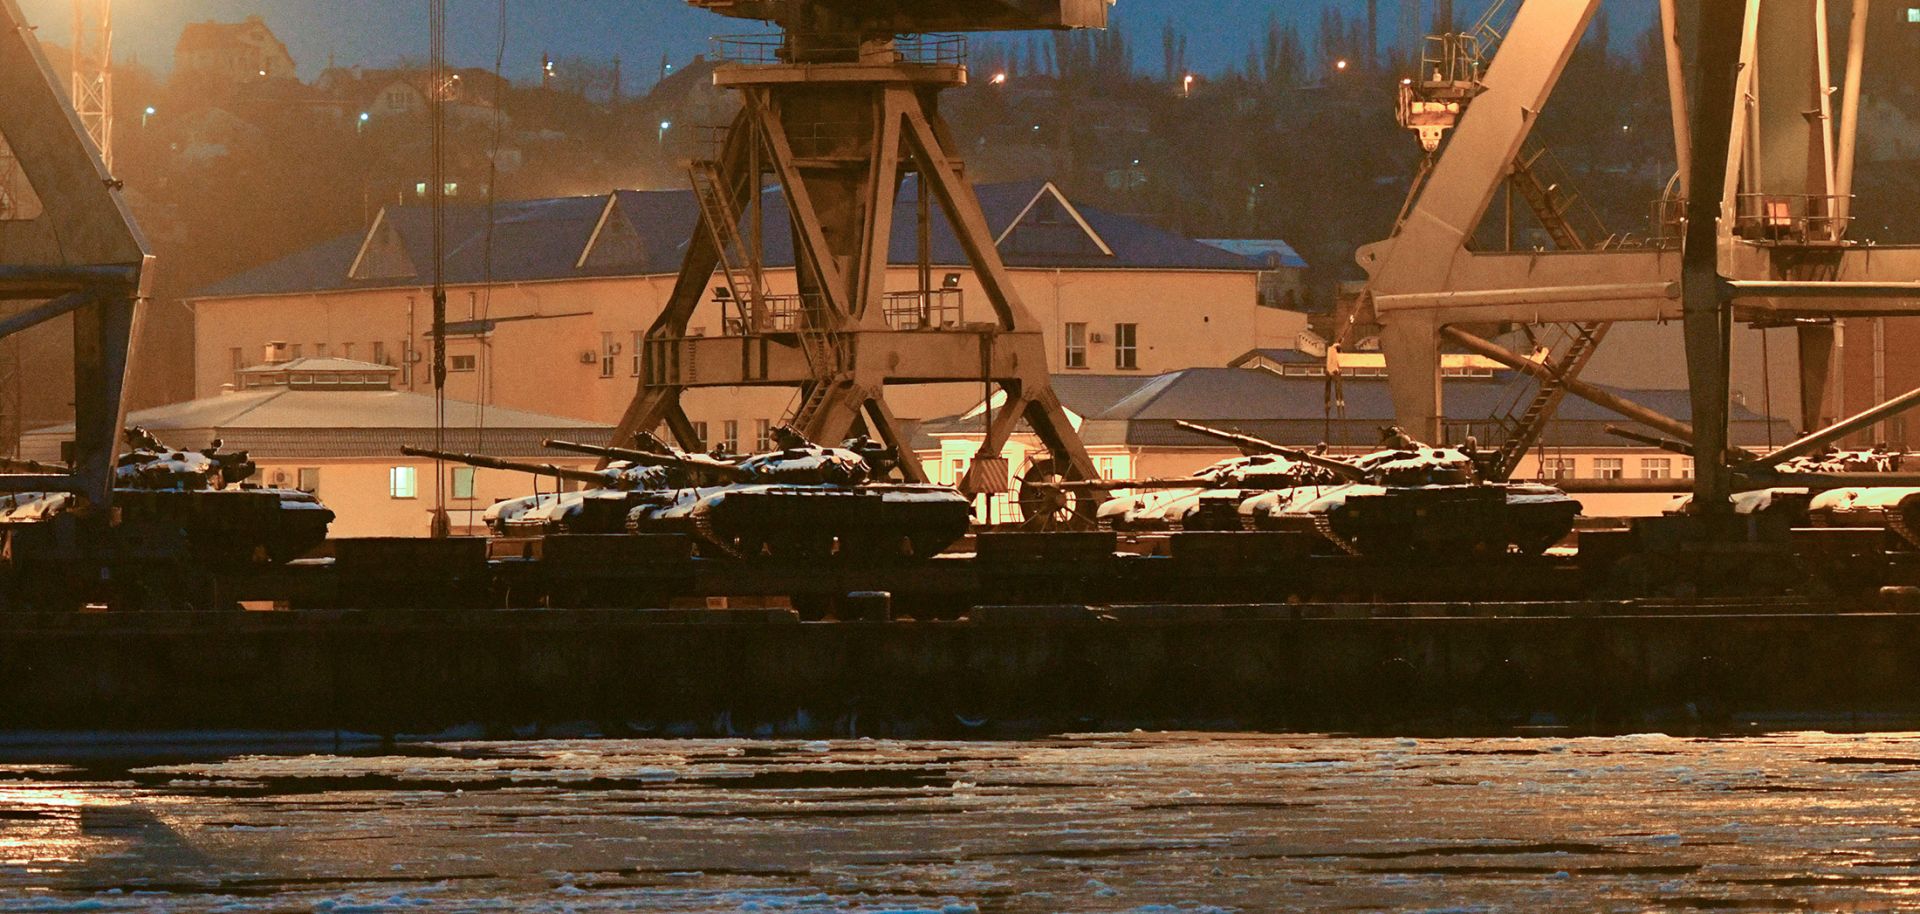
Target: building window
1557,467
956,470
346,350
1609,467
763,434
608,349
379,352
462,362
730,436
639,340
295,351
463,482
307,480
1126,342
319,350
700,435
1656,468
1075,342
1106,468
239,360
403,482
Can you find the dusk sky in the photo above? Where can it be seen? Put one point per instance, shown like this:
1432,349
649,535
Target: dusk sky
378,32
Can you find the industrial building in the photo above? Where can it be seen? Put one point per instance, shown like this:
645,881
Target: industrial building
549,304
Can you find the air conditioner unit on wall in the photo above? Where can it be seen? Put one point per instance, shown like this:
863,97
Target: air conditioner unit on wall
1099,337
588,357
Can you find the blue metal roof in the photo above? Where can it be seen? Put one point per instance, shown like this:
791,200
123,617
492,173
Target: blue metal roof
538,240
1272,252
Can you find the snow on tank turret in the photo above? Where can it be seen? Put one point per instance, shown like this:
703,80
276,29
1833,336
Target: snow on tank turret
1407,497
200,495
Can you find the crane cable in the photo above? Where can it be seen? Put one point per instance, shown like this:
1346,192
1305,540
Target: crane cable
436,103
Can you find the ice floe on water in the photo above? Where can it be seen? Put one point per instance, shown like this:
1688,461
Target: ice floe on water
1115,824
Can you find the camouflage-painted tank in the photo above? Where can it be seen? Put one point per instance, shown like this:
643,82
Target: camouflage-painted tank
165,496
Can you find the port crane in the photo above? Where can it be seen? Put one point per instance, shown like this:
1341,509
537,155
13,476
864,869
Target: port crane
1762,203
839,111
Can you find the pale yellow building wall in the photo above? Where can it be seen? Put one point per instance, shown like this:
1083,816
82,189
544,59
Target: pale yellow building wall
357,492
557,363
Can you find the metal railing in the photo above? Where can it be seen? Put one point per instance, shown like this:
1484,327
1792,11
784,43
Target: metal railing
1789,217
776,49
929,310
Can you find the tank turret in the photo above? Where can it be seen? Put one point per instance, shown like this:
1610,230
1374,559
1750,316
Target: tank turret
600,507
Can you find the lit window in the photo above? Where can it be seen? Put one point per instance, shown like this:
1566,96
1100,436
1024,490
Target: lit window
730,436
1126,339
463,482
462,362
1075,344
1609,467
403,482
1913,14
308,480
1106,468
763,434
1656,468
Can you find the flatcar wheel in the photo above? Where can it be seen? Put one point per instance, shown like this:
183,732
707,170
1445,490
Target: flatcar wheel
1044,506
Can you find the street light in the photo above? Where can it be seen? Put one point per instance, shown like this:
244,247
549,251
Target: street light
1340,64
361,125
144,115
664,127
1186,86
999,79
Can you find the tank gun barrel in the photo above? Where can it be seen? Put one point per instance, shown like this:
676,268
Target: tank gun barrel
590,477
724,471
22,465
1339,468
1107,485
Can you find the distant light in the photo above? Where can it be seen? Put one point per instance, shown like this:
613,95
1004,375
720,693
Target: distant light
1407,82
665,125
999,79
1625,127
364,117
263,72
1340,64
151,111
1186,85
1036,126
669,68
1136,161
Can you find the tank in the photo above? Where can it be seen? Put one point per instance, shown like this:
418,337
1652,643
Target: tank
1407,497
1208,500
166,498
599,508
803,500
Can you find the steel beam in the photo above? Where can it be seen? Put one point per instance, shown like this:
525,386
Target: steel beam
1708,314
